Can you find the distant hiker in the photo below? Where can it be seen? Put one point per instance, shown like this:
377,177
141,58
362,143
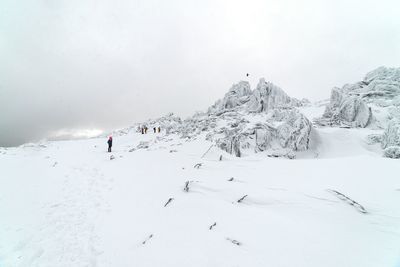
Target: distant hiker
154,129
109,142
142,130
159,129
247,75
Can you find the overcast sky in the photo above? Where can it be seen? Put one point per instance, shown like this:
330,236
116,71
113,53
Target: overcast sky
75,65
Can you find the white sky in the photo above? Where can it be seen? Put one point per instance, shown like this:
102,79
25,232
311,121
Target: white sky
96,64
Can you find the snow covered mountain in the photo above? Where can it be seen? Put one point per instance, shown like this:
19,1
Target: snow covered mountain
218,188
248,121
266,120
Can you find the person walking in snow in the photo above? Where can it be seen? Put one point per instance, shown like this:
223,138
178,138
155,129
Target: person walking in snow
159,129
109,142
154,129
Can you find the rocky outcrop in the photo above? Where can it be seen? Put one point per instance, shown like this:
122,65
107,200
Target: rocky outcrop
247,121
268,96
237,95
373,101
392,152
263,120
391,135
346,110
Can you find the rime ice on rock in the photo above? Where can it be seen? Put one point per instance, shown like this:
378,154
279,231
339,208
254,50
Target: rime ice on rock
373,101
391,135
349,110
268,96
246,121
237,95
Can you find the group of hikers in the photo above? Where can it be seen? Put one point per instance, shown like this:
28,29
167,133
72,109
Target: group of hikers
142,129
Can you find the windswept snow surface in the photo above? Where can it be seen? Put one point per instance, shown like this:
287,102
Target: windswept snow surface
66,203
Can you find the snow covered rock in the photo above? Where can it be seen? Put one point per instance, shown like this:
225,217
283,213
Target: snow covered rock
237,95
266,121
268,96
391,136
347,110
373,101
392,152
381,83
248,121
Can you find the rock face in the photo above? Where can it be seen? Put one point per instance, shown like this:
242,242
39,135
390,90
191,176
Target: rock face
373,101
391,136
246,121
268,96
347,110
392,152
237,95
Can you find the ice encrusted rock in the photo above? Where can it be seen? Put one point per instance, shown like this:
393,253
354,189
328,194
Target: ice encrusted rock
391,135
347,110
268,96
373,101
279,132
247,121
392,152
237,95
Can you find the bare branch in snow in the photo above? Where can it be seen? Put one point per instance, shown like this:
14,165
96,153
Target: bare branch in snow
147,239
207,151
242,198
348,200
169,201
233,241
198,165
211,226
186,188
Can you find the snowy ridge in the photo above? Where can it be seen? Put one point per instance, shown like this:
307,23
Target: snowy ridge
248,121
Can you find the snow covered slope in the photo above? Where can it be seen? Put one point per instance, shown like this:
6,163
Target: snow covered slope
182,197
66,203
